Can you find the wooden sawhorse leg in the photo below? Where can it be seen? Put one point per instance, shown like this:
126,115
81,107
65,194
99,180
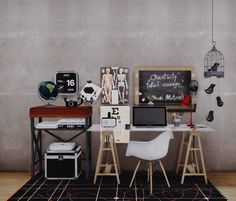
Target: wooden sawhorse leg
107,144
195,163
182,143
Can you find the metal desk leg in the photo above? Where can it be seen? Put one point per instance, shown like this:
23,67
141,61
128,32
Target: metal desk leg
40,150
36,148
32,147
88,150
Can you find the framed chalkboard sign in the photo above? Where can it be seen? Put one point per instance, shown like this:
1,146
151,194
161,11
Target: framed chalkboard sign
162,85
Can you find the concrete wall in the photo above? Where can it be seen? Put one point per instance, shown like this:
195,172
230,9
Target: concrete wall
40,37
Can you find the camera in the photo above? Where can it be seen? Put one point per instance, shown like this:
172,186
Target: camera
70,103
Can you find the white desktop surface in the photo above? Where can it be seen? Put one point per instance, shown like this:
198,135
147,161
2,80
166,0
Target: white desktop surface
176,129
181,128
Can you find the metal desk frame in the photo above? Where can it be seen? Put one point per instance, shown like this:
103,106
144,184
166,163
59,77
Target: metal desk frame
59,112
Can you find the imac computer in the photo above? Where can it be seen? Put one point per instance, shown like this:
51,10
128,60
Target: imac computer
149,116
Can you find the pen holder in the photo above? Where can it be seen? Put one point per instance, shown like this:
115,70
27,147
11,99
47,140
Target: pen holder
176,122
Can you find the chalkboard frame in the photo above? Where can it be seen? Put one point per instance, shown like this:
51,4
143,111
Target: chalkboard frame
157,69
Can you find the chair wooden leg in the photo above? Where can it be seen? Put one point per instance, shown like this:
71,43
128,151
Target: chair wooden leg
148,174
180,152
150,169
164,172
135,171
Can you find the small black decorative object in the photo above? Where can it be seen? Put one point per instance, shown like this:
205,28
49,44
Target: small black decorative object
193,87
210,89
210,116
220,103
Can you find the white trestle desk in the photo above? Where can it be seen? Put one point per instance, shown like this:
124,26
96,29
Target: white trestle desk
193,160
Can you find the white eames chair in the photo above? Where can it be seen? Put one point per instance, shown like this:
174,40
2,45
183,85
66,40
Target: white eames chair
150,151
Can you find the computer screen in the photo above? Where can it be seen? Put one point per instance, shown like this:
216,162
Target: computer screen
149,116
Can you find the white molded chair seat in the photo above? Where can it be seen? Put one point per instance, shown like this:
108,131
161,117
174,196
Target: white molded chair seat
155,149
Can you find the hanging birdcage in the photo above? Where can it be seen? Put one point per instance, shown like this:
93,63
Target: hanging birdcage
214,63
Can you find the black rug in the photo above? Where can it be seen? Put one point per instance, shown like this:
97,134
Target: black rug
106,188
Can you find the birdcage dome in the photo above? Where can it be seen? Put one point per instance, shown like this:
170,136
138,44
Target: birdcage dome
214,63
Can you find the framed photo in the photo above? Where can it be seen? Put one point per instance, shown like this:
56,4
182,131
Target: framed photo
115,87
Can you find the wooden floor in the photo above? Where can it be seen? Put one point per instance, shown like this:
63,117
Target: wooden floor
10,182
225,182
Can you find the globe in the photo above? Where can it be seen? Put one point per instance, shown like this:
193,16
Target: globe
48,91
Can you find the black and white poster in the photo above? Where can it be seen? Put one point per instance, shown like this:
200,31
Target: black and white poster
121,114
114,83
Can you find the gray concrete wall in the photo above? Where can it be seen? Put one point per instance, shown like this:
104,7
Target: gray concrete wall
40,37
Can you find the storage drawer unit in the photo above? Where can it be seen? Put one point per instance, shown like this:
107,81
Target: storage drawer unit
63,164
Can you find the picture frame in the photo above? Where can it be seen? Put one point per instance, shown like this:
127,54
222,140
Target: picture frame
115,85
162,85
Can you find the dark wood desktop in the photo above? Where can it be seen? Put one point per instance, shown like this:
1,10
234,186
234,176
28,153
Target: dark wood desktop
60,112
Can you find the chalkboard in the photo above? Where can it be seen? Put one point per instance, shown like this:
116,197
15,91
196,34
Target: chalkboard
165,85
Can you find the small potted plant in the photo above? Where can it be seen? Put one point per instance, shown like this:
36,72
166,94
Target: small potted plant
176,119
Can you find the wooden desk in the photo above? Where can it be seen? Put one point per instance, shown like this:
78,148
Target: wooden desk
41,112
188,138
194,153
181,128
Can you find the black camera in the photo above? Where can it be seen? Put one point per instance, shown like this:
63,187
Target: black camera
70,103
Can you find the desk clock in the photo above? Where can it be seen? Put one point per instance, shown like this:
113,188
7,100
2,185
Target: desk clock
67,82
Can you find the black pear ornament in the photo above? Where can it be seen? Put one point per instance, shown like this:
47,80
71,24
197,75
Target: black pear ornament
193,87
210,89
210,116
220,103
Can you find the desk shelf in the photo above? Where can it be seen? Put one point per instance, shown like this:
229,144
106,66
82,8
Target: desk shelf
61,129
37,114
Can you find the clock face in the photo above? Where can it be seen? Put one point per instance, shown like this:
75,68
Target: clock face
67,82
